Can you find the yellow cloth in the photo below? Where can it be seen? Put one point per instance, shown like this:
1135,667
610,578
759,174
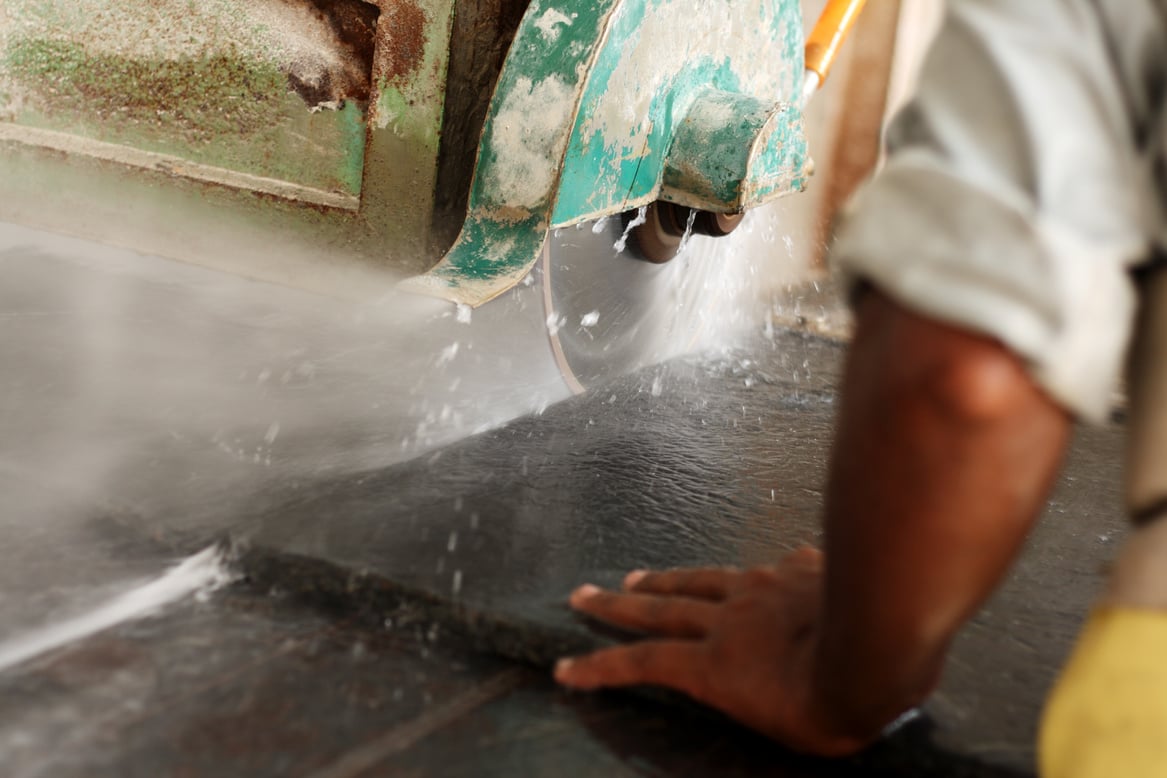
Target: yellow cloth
1107,716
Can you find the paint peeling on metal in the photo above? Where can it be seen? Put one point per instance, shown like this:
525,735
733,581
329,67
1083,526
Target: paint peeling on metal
207,82
323,46
732,151
491,269
630,71
656,64
404,40
412,45
531,119
311,150
550,22
473,273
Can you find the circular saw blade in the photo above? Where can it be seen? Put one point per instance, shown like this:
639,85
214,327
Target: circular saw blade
609,313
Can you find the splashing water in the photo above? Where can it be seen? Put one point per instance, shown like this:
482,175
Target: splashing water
150,400
688,234
641,218
197,575
181,395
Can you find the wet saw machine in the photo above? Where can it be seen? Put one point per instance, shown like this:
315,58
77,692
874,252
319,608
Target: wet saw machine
461,145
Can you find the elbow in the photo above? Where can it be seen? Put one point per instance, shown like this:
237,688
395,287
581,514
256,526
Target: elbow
981,382
928,365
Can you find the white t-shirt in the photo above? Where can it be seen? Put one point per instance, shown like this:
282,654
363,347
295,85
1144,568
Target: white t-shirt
1025,181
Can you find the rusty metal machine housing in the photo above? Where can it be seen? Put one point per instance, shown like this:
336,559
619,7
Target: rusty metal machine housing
320,143
299,141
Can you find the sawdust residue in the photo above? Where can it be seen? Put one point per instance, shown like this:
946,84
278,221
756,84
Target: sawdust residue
550,22
624,117
528,132
323,47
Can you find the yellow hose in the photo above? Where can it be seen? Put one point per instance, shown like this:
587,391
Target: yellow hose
828,35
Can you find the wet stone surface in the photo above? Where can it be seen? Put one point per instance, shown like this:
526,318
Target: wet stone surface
256,684
672,466
694,462
346,652
403,589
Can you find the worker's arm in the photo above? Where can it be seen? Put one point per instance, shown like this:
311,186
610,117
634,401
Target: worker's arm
945,453
943,457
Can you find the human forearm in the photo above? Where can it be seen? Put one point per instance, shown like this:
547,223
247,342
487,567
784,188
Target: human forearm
943,458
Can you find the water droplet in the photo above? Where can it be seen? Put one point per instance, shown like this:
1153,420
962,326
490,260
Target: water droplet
448,354
554,323
688,230
641,218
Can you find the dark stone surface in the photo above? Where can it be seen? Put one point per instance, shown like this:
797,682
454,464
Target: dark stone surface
393,574
673,466
694,462
246,684
252,683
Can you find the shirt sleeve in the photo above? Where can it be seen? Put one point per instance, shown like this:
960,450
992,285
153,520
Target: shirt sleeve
1014,200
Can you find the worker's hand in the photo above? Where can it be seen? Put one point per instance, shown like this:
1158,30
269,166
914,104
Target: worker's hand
740,641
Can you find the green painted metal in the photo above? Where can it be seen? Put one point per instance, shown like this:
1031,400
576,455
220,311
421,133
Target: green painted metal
601,106
521,151
710,168
607,106
335,104
204,83
659,58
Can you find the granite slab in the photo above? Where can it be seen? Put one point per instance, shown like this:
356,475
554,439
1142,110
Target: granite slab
717,460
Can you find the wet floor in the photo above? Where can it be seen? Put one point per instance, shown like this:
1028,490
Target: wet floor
402,579
144,400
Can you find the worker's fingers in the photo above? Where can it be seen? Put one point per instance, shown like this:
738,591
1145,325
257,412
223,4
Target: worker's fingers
707,583
806,557
649,613
680,665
